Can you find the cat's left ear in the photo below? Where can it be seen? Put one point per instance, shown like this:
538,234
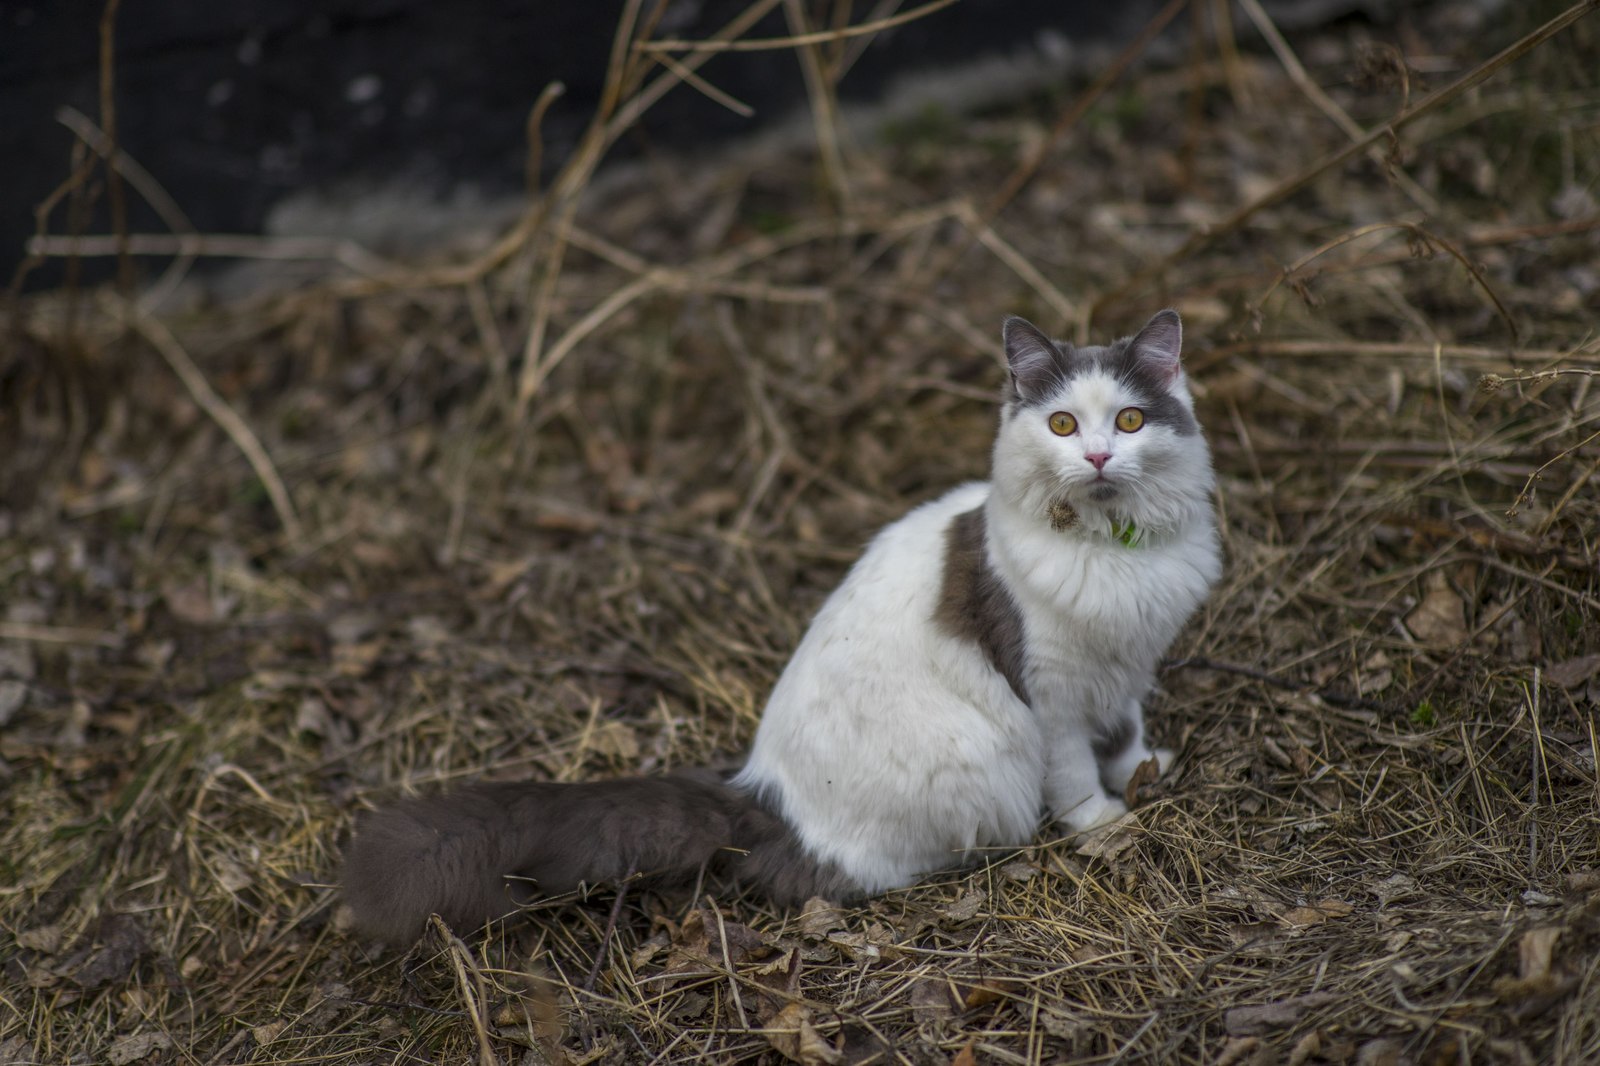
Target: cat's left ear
1158,344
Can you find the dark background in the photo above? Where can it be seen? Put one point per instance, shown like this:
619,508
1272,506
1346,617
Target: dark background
234,106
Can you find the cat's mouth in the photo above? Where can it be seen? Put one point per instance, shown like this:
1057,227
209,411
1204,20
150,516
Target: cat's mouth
1101,490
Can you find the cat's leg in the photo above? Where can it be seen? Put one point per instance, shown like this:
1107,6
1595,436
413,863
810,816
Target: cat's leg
1073,790
1121,750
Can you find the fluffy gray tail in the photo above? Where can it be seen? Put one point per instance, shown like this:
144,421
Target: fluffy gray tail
452,855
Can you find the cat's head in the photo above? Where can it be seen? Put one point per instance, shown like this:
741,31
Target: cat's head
1105,432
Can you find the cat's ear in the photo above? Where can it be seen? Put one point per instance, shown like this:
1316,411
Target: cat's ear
1034,360
1157,345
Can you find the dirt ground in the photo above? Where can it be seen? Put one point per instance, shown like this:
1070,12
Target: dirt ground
560,506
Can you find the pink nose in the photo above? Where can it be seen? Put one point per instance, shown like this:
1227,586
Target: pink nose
1099,459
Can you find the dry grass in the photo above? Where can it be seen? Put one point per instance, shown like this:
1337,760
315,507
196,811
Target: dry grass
561,508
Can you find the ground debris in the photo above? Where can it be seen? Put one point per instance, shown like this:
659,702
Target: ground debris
566,518
1282,1014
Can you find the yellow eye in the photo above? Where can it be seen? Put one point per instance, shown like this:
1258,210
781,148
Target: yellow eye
1063,424
1129,419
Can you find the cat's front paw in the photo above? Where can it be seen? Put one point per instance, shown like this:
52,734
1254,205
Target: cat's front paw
1092,813
1164,759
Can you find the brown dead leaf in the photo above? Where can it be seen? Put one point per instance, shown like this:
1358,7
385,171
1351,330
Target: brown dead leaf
46,939
1539,985
1441,618
1573,672
136,1046
1306,1048
615,740
533,1014
1145,774
700,943
1384,1052
932,999
819,918
965,1056
1265,1017
984,993
967,907
1106,842
1237,1049
356,660
793,1036
1315,914
190,601
118,945
268,1032
1534,951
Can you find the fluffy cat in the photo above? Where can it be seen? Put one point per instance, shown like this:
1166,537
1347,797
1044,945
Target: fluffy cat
983,660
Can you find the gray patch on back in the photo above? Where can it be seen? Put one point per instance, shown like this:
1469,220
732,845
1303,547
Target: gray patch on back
975,605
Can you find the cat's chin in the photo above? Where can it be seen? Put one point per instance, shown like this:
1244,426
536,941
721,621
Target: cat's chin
1103,493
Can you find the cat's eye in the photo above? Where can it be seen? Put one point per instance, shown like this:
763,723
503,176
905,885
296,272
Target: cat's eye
1063,424
1129,419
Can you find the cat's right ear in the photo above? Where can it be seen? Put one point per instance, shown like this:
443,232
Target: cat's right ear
1034,360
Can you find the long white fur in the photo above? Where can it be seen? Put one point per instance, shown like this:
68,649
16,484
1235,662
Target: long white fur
894,748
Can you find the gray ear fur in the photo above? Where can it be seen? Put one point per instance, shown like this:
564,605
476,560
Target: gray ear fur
1034,359
1159,342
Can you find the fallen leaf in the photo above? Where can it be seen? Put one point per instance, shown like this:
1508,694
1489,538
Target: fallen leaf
118,945
1264,1017
428,630
1306,1048
1395,886
984,993
966,908
932,1000
45,938
1385,1052
1108,841
1145,774
793,1036
700,941
1574,672
1236,1050
819,918
615,740
190,601
352,627
356,660
534,1012
267,1033
1441,617
1534,951
232,875
1316,914
132,1048
965,1056
648,950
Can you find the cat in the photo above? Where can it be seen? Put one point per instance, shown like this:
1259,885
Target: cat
985,658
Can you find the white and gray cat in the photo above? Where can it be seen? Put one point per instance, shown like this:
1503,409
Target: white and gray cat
985,658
